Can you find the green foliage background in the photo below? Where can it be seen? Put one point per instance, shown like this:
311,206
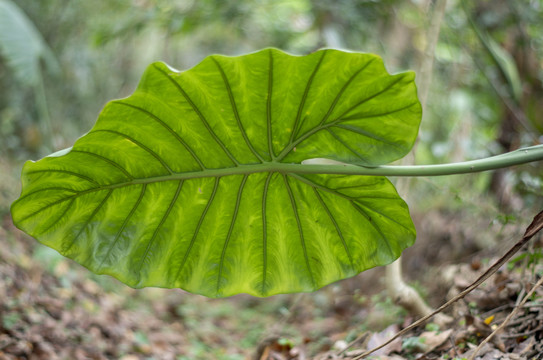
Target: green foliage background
102,48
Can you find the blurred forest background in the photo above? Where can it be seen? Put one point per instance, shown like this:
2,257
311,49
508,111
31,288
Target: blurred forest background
61,61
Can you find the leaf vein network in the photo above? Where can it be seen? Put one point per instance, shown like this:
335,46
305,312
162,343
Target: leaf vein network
235,111
197,229
201,116
94,212
338,230
268,105
379,93
62,214
340,140
125,222
357,207
230,229
168,128
65,172
304,98
265,232
295,142
159,226
109,161
47,189
300,230
138,144
342,90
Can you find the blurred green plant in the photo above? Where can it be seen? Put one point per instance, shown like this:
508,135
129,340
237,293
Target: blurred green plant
24,50
23,47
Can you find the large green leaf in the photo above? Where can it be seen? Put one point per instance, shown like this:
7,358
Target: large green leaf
189,182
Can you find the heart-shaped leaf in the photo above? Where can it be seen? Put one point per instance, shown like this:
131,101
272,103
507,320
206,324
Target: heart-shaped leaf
195,180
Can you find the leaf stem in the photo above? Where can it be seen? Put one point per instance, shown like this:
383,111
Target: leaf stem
516,157
325,166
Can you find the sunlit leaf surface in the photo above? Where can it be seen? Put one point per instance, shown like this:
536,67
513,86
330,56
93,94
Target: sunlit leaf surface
179,185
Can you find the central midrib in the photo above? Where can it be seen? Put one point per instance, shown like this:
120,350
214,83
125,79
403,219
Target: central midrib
513,158
248,169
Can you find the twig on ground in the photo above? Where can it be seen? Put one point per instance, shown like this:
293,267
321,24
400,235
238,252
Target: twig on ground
533,228
509,317
362,338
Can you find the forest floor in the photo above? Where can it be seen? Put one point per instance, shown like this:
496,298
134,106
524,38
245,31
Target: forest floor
52,308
